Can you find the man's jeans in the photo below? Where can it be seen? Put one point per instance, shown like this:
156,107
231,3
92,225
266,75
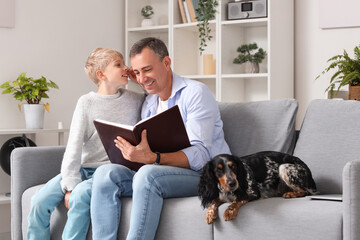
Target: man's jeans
148,187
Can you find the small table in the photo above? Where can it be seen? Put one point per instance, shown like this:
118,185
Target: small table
60,132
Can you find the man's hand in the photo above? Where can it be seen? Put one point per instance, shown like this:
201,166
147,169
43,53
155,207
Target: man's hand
140,153
66,199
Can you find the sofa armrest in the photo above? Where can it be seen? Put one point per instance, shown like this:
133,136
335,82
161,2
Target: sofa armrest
351,200
30,166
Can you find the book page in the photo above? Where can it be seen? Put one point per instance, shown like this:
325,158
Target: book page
129,127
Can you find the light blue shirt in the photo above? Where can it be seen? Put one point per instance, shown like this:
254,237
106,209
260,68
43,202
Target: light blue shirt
201,117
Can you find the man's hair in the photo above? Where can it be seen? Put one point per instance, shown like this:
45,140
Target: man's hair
155,44
99,59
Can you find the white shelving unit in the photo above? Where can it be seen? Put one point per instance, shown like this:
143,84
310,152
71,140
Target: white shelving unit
230,83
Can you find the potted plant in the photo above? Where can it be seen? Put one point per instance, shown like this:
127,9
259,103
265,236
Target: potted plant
147,13
347,73
205,12
32,91
251,57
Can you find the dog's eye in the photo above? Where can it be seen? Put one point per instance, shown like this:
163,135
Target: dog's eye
230,164
220,166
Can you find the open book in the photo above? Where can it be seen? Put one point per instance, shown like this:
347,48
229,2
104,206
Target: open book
165,133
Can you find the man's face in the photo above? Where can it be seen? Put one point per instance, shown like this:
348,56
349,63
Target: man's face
152,73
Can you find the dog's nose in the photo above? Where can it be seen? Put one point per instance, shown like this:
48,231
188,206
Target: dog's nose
232,183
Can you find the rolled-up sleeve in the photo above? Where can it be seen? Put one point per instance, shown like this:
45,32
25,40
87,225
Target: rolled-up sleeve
201,114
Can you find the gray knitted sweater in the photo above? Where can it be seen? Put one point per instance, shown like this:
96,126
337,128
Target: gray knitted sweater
84,148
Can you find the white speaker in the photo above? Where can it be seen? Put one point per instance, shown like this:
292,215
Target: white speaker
247,9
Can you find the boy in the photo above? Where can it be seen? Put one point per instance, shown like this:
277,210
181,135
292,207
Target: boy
84,151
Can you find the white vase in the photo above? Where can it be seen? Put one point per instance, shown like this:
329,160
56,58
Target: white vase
34,116
147,22
251,67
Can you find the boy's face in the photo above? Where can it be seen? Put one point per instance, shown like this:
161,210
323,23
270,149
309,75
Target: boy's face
116,72
152,73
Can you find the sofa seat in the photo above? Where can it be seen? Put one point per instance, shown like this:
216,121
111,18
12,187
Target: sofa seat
279,218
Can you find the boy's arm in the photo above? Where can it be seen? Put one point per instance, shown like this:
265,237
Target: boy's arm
70,167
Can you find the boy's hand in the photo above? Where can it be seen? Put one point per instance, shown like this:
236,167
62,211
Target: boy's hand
131,75
66,199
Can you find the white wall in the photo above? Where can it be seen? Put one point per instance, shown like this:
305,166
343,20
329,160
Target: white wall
54,39
313,47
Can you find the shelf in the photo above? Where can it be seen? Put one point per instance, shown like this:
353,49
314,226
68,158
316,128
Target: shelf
161,28
246,75
193,25
200,76
4,199
257,22
31,131
60,132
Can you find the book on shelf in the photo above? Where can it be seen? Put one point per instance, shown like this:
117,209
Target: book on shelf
195,3
191,10
165,133
182,11
187,14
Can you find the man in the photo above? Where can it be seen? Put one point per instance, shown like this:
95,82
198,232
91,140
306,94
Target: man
175,174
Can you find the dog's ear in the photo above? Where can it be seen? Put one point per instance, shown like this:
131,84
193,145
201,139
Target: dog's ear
208,190
241,175
247,183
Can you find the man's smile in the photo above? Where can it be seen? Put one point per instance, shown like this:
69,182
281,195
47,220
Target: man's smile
149,83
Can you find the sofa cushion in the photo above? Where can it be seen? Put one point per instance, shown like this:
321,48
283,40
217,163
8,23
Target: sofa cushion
278,218
259,126
328,139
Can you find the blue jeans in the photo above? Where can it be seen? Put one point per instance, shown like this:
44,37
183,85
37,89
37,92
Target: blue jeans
48,197
148,187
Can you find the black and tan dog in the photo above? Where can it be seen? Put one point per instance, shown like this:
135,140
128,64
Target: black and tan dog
228,178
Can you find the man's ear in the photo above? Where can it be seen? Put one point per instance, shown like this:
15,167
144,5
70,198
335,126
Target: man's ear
167,62
100,75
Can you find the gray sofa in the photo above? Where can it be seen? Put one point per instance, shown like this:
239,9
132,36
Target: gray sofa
327,142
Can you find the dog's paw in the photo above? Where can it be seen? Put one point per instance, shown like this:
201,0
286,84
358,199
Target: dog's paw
294,194
231,212
211,215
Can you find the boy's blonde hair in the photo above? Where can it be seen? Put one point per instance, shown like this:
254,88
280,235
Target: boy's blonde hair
99,59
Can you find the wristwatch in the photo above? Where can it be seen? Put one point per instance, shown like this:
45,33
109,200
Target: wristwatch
157,161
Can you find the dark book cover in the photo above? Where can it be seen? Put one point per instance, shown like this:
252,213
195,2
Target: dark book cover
165,133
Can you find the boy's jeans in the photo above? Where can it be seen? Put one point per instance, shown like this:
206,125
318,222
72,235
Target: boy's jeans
48,197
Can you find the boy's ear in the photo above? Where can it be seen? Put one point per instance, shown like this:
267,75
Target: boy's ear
100,75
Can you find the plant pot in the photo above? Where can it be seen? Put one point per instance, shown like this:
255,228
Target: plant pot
34,116
147,22
251,67
354,92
